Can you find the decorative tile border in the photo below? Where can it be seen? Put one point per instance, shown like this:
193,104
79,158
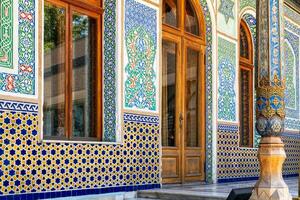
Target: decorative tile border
275,42
141,118
6,33
209,92
18,106
24,82
110,72
74,193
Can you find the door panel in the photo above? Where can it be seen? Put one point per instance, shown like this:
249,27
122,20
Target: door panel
171,159
193,149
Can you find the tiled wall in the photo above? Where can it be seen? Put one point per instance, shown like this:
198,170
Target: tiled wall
28,166
31,166
236,163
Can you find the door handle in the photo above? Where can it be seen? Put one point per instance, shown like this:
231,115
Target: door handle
180,120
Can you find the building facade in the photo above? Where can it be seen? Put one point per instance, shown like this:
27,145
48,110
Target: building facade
105,96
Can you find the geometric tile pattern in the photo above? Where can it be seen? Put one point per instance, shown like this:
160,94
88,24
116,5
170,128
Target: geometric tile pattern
227,80
24,81
235,163
29,166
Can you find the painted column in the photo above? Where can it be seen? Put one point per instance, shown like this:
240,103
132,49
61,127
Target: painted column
270,101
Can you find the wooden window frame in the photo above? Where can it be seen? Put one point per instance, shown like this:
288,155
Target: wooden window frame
246,64
93,9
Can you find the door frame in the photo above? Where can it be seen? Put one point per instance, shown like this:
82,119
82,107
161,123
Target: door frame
181,150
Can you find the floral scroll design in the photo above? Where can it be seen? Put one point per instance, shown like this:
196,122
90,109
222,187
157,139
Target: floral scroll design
140,91
23,83
226,105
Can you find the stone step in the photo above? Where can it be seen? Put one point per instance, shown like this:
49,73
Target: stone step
165,194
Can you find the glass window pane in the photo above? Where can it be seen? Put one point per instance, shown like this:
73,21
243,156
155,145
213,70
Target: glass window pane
192,96
191,19
54,70
169,94
170,12
83,76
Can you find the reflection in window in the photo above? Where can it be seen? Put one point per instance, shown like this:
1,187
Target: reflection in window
71,73
192,96
169,94
54,70
170,12
83,80
191,19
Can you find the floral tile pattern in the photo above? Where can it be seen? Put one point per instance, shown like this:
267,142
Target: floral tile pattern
227,80
141,35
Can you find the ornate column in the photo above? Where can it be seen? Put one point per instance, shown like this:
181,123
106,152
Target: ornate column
270,101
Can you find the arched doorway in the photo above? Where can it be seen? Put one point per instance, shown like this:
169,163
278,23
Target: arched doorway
246,85
183,86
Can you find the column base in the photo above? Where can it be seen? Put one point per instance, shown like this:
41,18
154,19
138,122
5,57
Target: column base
271,185
271,194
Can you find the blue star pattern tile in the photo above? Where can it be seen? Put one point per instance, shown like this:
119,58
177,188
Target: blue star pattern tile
237,164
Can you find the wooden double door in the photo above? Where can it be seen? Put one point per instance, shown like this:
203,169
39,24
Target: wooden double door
183,92
183,109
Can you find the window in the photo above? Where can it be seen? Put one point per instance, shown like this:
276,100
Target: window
72,70
246,87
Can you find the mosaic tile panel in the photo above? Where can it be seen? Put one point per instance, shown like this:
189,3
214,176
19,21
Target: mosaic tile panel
141,41
235,163
6,33
29,166
227,80
291,68
24,81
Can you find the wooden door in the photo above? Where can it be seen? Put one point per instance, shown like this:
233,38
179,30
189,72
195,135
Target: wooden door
183,89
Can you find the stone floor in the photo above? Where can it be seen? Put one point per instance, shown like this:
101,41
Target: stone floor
193,191
207,191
